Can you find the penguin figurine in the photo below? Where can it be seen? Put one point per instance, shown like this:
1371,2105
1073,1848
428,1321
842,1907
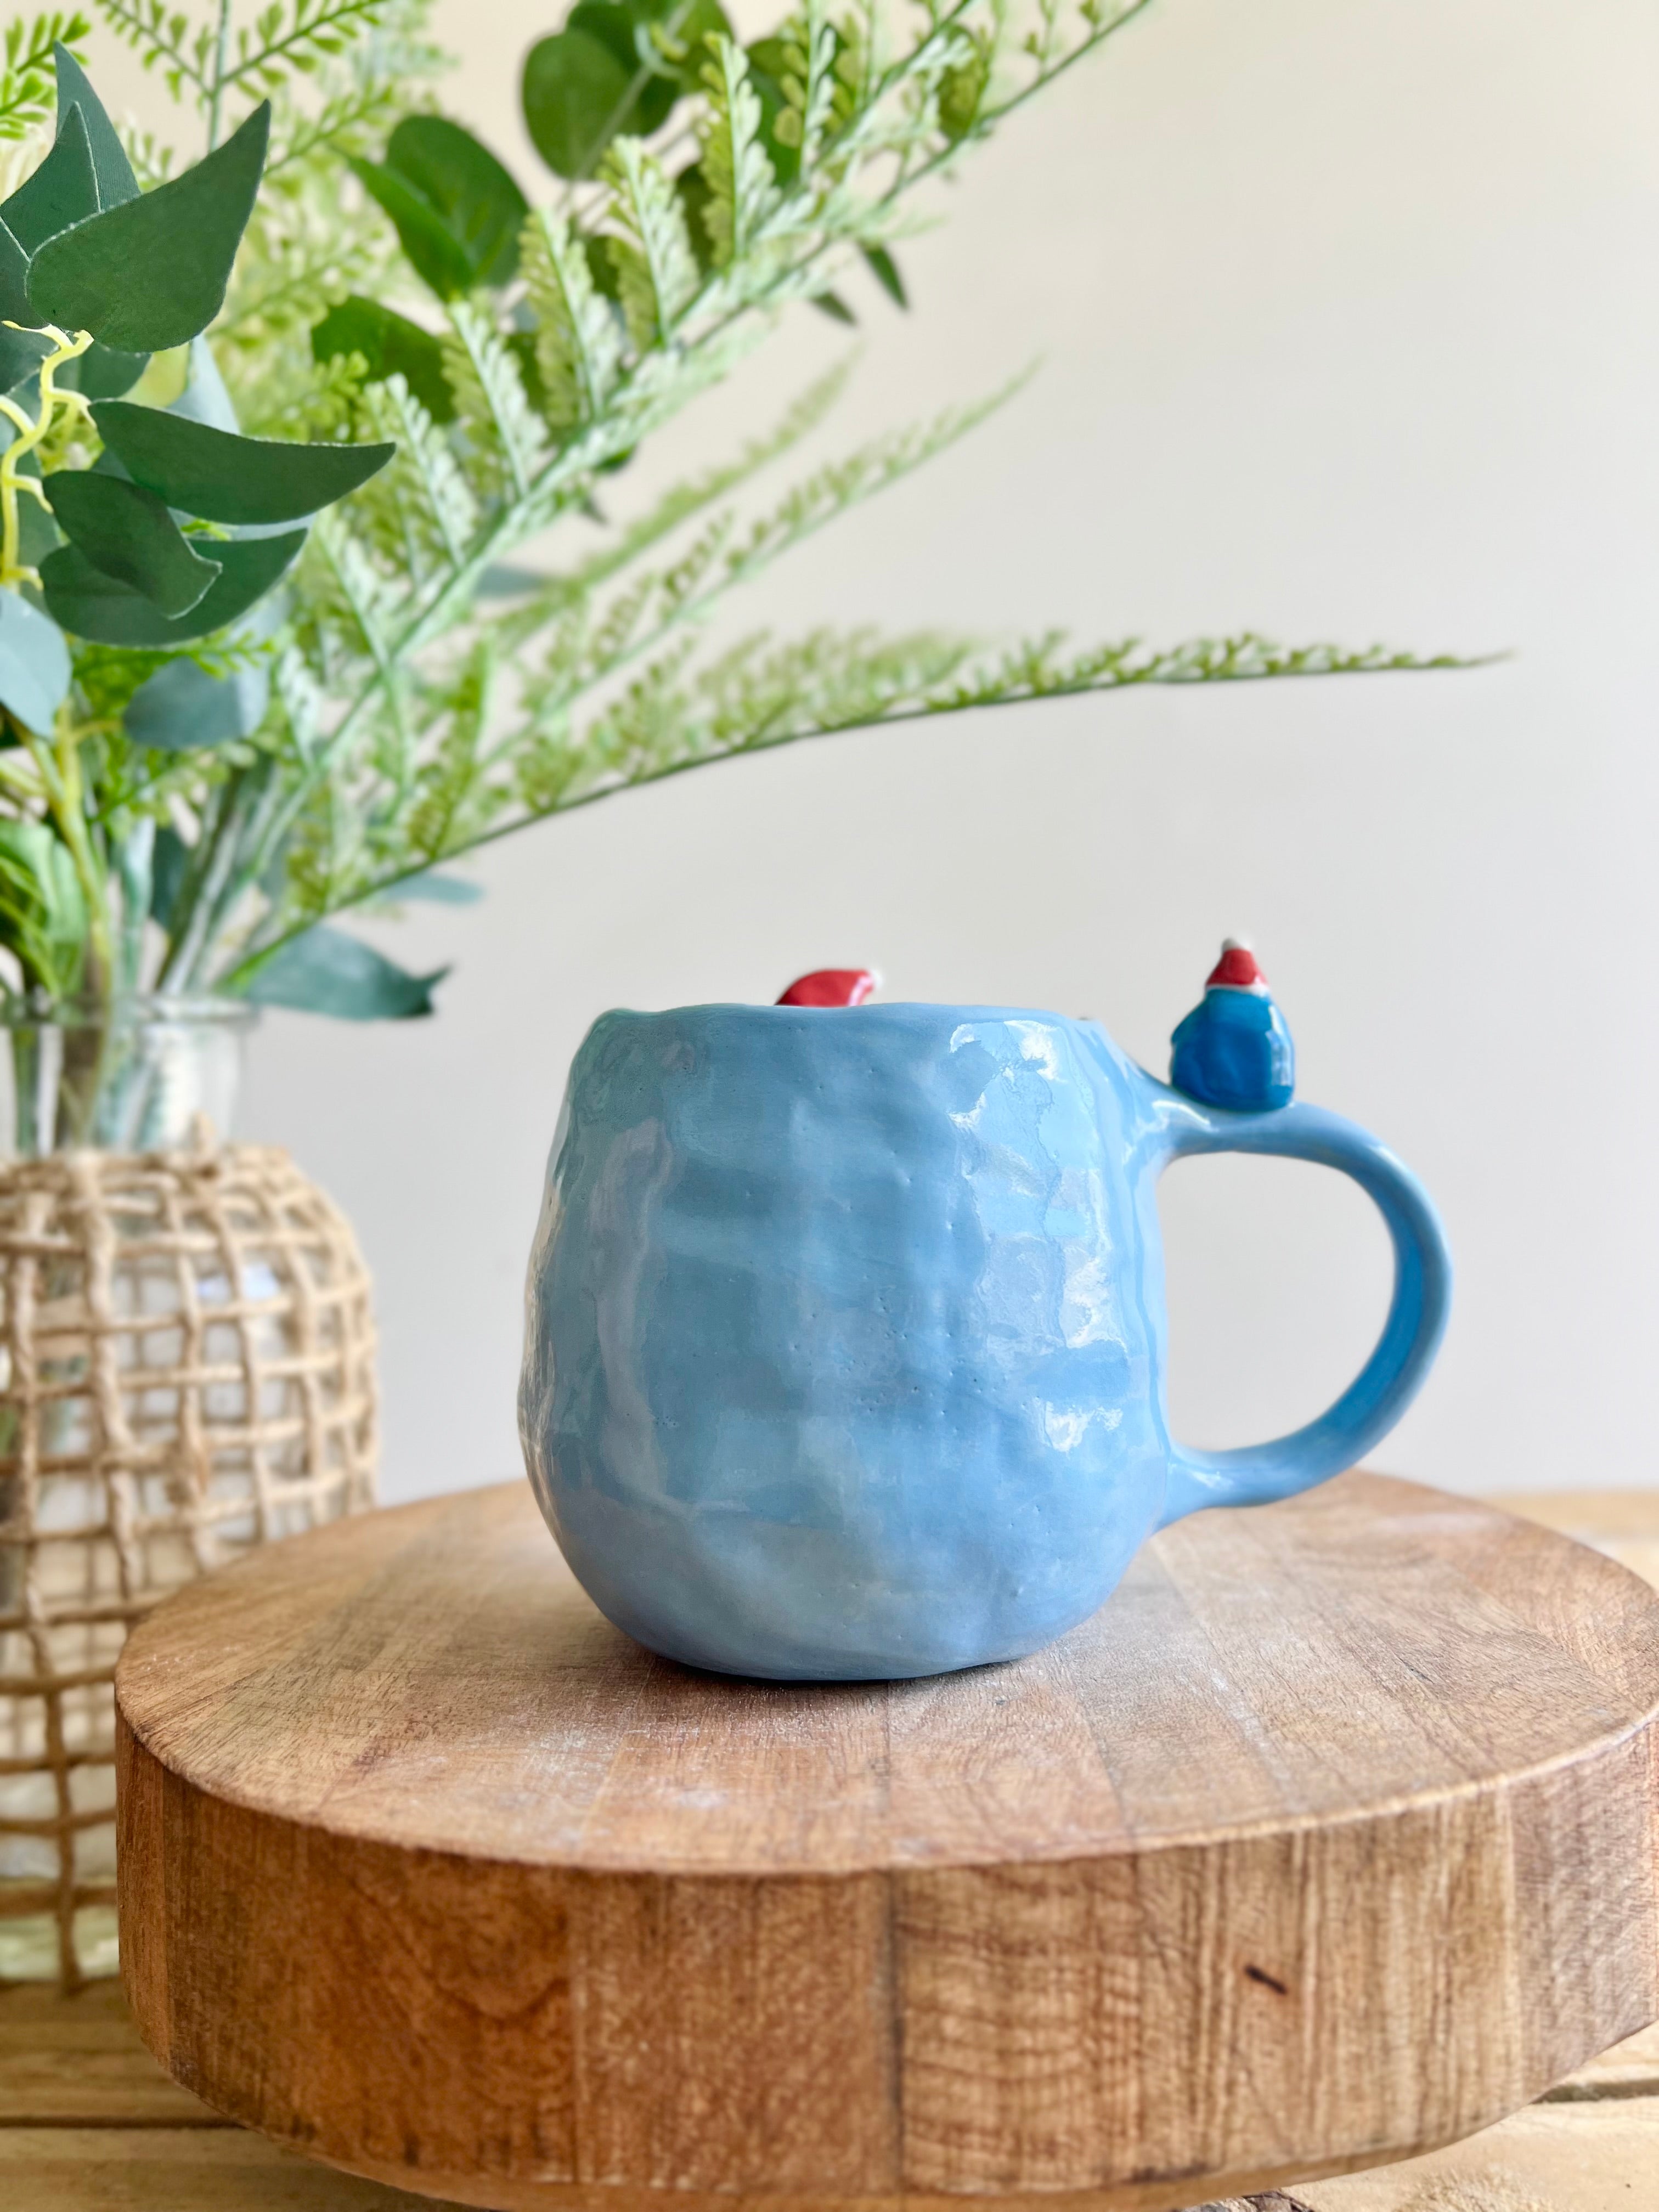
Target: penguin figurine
832,987
1233,1049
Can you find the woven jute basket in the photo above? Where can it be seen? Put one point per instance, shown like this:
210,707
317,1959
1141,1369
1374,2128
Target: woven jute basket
187,1370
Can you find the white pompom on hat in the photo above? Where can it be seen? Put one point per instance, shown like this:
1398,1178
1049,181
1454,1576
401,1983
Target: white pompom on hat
1237,970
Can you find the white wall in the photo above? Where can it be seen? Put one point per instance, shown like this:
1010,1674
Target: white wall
1347,314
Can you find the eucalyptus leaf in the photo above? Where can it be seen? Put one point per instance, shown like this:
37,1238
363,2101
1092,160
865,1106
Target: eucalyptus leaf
205,398
506,580
391,345
13,280
225,478
103,372
91,604
34,663
437,257
62,191
116,182
127,533
21,353
151,273
467,189
38,535
327,972
183,709
625,32
575,93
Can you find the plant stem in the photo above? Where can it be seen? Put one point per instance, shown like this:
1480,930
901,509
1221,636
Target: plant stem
216,90
29,435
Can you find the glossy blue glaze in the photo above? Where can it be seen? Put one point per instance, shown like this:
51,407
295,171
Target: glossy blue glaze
844,1340
1235,1050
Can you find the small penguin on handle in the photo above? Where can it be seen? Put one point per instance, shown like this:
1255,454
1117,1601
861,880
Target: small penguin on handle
1234,1049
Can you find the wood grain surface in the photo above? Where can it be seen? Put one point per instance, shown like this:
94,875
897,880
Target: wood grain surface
1330,1839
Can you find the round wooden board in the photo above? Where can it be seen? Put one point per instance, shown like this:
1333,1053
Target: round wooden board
1333,1837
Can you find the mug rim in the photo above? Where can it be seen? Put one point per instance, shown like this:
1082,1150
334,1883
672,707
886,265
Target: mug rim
866,1012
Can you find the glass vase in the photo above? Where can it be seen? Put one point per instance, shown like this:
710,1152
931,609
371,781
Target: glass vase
130,1074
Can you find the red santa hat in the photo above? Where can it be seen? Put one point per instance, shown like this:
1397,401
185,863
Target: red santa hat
1237,970
832,987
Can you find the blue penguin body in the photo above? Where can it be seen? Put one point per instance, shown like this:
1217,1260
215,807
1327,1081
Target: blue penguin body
1234,1049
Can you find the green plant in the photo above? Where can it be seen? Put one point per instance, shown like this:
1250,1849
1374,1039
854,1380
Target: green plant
468,643
129,535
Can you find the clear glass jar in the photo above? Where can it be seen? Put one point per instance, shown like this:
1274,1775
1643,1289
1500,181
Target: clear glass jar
137,1074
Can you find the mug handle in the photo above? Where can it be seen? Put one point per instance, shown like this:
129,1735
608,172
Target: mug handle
1256,1473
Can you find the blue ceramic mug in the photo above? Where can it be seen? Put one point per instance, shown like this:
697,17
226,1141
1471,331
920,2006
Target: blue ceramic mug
846,1337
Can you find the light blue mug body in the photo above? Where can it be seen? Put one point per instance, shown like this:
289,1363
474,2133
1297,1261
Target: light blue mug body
845,1343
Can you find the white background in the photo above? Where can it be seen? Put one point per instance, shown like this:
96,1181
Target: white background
1347,314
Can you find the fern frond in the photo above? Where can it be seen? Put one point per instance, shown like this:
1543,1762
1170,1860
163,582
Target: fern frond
29,85
811,86
503,432
152,159
454,801
741,185
180,52
683,500
282,42
578,346
425,487
656,269
345,124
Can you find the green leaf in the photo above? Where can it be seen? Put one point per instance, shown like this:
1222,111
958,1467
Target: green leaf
391,345
437,257
43,915
93,606
575,93
151,273
466,188
327,972
832,304
21,353
127,533
102,372
62,191
617,29
225,478
885,271
169,863
181,708
34,663
38,535
116,182
14,280
205,398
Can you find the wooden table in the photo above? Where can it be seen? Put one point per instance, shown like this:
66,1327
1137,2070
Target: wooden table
86,2119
